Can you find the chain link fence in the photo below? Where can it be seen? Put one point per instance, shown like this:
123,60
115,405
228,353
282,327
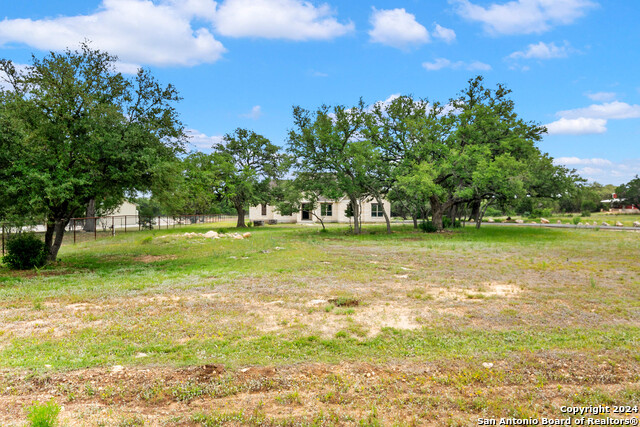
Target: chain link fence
93,228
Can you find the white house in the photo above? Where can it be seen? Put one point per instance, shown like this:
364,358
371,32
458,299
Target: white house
328,210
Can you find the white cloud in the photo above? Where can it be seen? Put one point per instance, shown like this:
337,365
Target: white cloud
601,96
397,28
385,103
279,19
445,34
138,31
441,63
202,142
578,126
523,16
255,113
573,161
542,51
602,170
608,110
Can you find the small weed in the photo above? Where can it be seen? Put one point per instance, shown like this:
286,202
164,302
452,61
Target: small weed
146,240
289,399
43,414
592,281
345,302
134,421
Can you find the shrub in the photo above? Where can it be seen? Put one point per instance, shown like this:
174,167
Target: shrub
447,223
537,213
585,213
25,251
588,206
575,220
43,414
428,227
491,211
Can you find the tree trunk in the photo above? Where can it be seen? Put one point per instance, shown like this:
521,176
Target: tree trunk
319,219
240,210
452,214
356,215
48,236
481,214
414,217
475,210
384,212
54,247
437,211
90,224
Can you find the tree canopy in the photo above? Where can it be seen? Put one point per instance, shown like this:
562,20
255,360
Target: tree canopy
75,129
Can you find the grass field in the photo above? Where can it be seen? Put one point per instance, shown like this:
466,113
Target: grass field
297,327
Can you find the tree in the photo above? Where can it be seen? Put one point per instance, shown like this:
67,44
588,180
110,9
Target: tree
630,192
77,130
329,143
246,164
480,151
395,129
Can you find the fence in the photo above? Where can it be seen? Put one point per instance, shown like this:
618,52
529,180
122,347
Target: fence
91,228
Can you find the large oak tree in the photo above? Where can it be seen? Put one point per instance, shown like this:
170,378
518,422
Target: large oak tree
75,129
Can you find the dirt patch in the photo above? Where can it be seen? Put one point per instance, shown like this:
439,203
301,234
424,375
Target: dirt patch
431,393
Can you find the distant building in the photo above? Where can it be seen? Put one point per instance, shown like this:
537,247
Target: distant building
329,210
617,205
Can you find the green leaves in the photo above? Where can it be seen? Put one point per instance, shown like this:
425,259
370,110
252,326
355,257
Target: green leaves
77,130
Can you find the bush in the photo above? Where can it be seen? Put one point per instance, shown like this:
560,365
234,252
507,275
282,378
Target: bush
538,213
585,213
43,414
25,251
588,206
428,227
575,220
493,212
447,223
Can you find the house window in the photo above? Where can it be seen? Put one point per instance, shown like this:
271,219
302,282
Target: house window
376,210
264,209
326,209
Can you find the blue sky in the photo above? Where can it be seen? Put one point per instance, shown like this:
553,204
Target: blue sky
572,64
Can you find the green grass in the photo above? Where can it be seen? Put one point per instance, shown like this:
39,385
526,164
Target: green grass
193,301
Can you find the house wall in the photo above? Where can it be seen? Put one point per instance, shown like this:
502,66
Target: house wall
338,213
126,208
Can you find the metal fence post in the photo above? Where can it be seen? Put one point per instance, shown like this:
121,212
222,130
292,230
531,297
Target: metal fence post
74,230
113,226
95,229
2,239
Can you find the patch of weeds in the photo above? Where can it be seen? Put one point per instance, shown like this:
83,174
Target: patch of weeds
188,391
592,282
419,294
289,399
344,311
345,302
89,390
593,397
631,395
475,296
147,240
371,420
43,414
134,421
342,334
329,308
509,312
